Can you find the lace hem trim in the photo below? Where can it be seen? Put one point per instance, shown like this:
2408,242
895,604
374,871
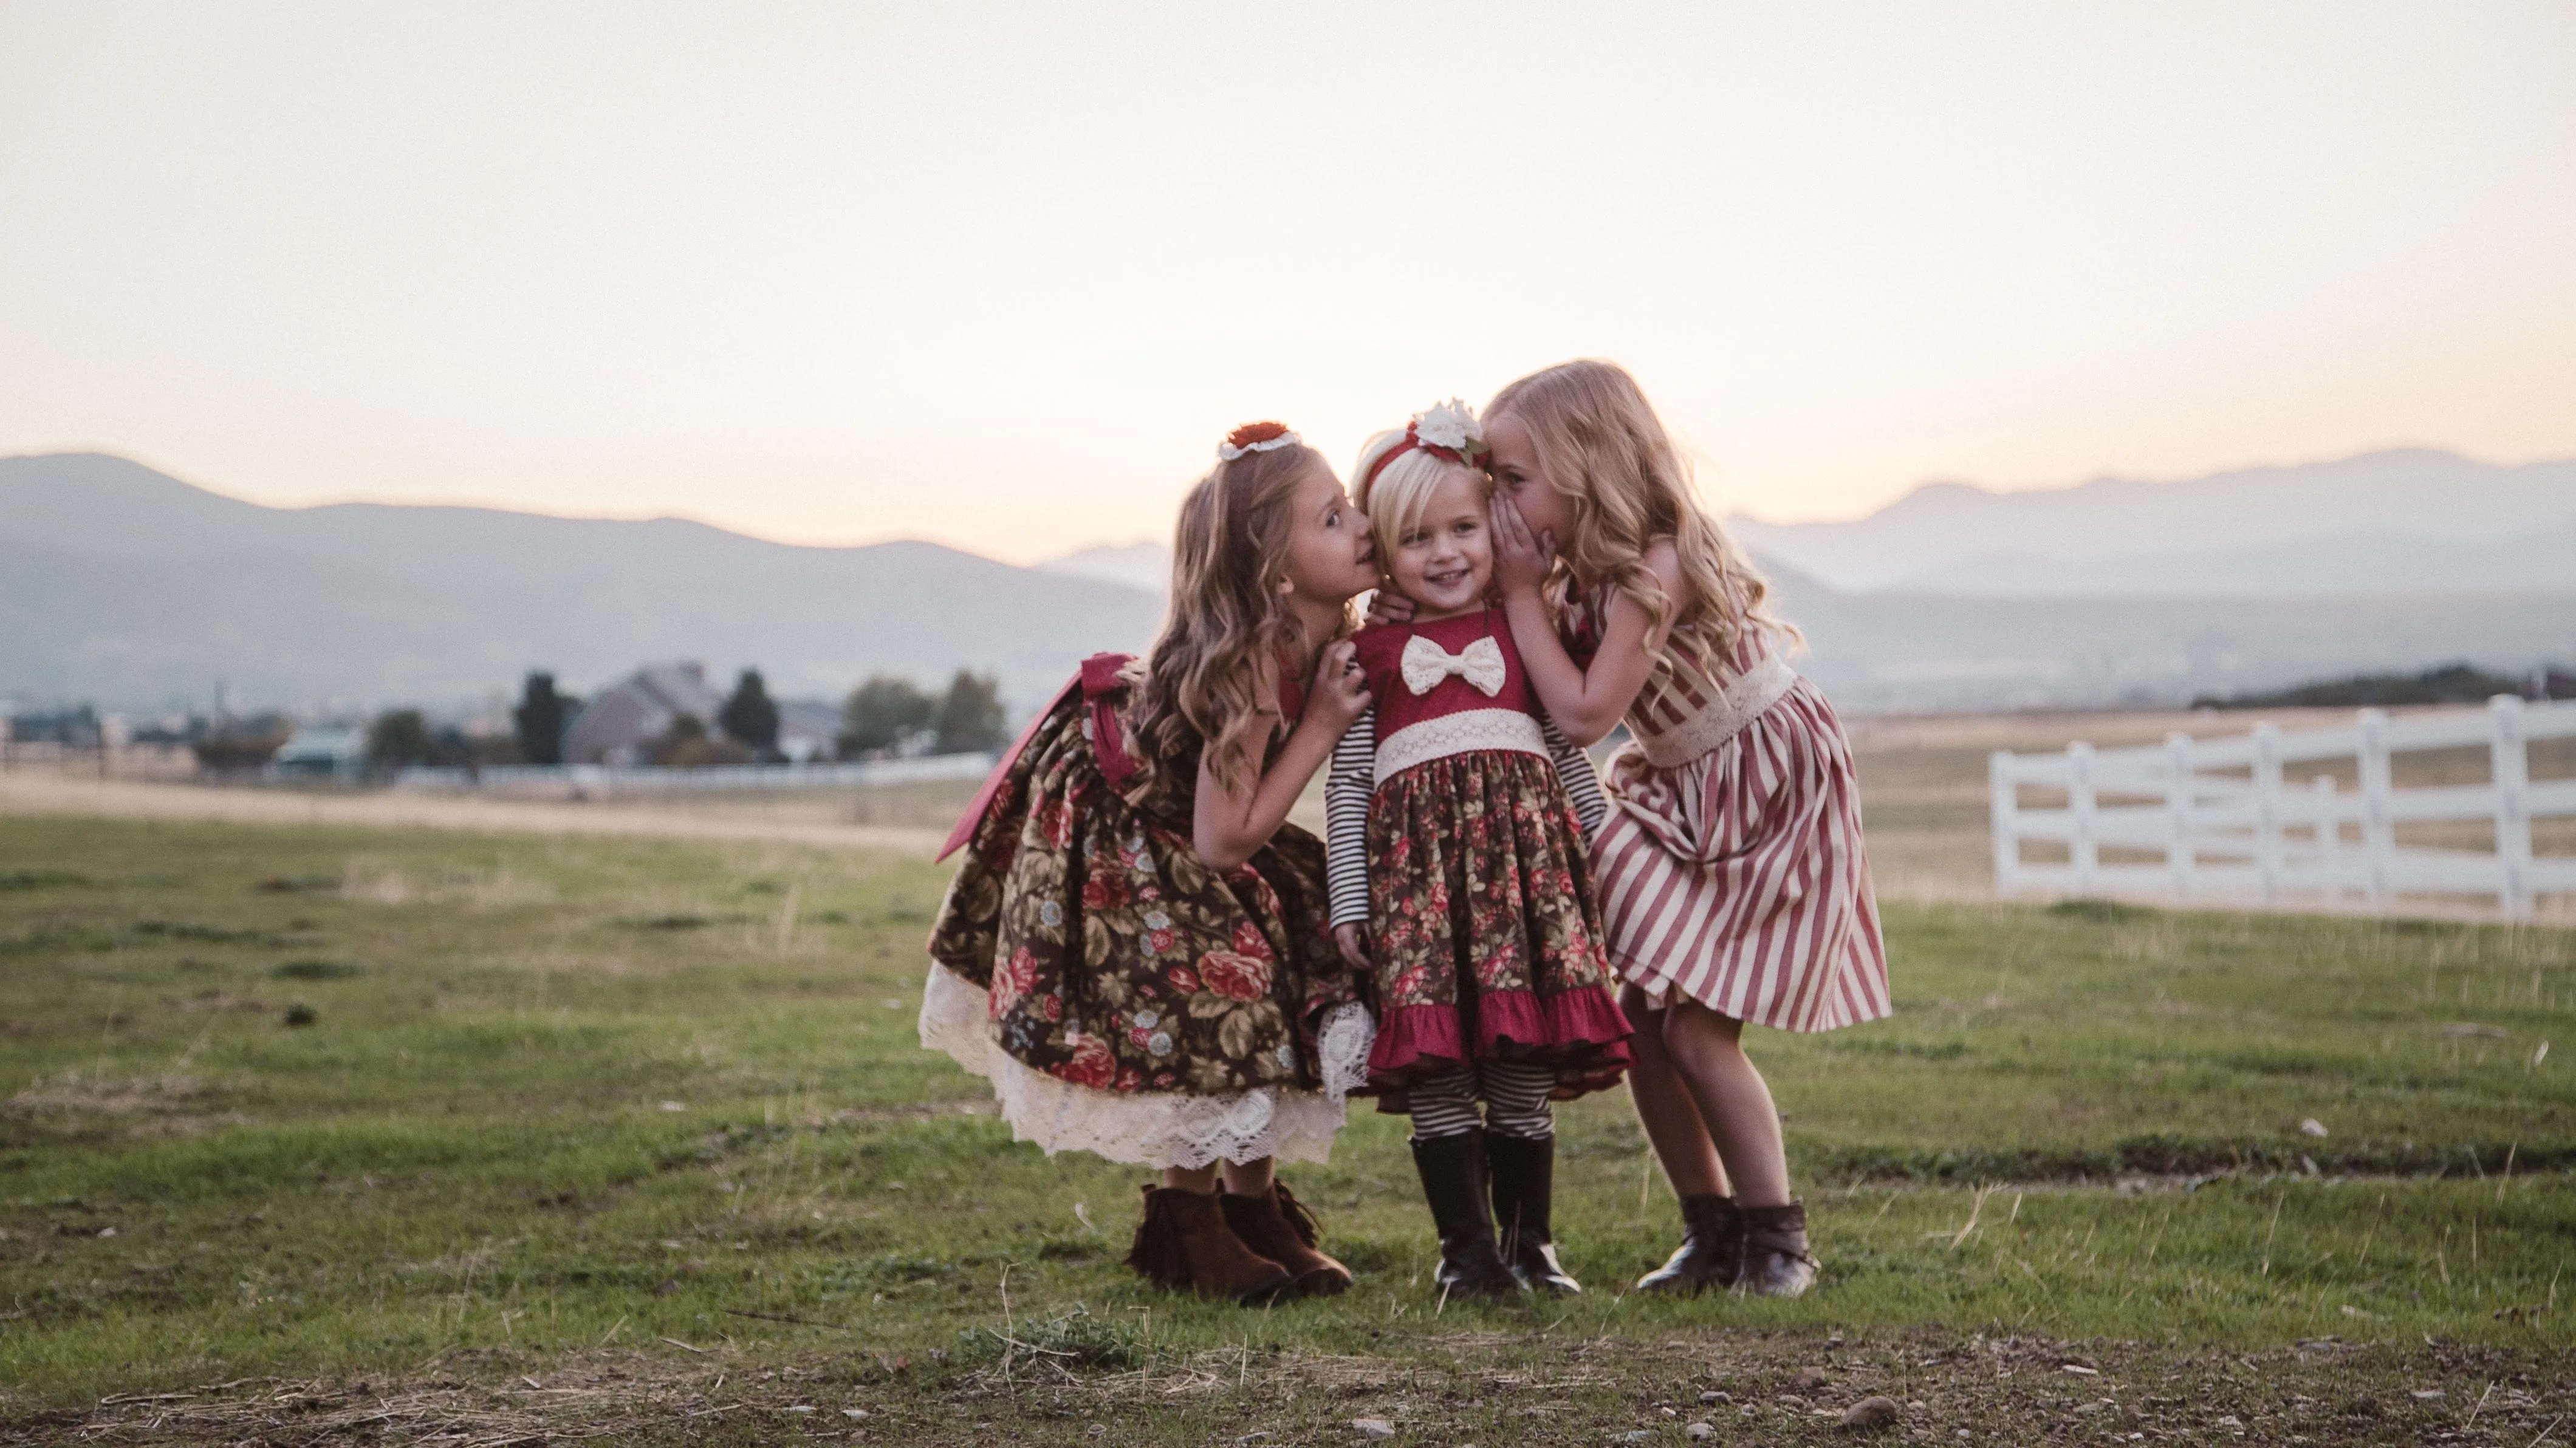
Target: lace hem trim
1459,733
1154,1129
1739,704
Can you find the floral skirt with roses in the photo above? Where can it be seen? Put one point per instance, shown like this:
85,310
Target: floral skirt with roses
1482,928
1124,997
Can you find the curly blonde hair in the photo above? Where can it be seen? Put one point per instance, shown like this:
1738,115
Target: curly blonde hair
1608,456
1212,679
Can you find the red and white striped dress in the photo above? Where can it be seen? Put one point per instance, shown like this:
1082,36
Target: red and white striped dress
1732,868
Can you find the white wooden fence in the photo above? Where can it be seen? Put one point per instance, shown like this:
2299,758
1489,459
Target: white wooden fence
2221,824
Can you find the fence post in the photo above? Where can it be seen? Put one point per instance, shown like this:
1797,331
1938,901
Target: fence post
2378,830
2086,853
2512,771
2181,857
2002,801
2328,836
2267,809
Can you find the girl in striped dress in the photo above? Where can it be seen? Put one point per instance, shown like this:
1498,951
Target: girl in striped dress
1731,874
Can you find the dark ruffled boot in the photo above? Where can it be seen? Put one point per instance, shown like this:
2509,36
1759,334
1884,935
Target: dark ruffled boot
1276,1225
1776,1260
1712,1250
1524,1185
1453,1182
1184,1244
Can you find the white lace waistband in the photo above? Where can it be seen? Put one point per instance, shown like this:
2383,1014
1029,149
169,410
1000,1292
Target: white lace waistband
1150,1128
1738,704
1458,733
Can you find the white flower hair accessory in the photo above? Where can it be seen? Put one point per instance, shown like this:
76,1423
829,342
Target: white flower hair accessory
1444,429
1450,425
1255,437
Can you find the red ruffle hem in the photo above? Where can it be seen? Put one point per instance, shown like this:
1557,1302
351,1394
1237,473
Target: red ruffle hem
1581,1033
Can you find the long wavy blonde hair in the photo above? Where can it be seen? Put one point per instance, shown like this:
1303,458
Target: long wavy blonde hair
1212,680
1608,456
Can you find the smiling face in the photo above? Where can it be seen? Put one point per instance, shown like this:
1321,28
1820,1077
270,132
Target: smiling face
1330,558
1445,559
1520,477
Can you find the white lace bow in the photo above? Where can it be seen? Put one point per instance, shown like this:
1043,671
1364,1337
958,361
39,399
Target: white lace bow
1480,664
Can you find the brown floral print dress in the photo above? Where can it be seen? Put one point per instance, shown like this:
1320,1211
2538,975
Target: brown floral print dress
1134,1001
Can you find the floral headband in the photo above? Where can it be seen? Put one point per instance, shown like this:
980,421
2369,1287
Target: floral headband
1447,430
1255,437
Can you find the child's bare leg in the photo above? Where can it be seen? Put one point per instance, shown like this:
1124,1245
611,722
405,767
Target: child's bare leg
1734,1102
1246,1179
1664,1106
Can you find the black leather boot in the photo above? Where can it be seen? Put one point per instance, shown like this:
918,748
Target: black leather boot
1453,1182
1524,1182
1712,1250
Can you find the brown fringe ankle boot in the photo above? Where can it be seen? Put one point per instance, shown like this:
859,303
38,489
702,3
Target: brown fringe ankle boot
1278,1226
1184,1243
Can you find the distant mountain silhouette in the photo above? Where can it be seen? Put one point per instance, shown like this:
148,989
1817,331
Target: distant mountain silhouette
135,590
2404,521
123,584
1143,564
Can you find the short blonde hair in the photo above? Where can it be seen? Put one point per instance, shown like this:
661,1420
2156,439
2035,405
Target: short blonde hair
1397,497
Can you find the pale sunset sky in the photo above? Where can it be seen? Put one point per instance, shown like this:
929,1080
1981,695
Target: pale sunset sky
1001,274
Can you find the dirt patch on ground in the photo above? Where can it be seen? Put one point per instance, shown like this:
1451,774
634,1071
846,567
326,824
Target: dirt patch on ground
1485,1388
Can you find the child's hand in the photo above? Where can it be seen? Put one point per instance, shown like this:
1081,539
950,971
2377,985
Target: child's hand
1340,694
1386,606
1354,948
1521,561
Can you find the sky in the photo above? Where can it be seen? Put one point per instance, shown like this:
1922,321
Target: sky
1001,275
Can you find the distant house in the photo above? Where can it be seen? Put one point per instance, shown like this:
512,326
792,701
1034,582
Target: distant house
321,753
808,729
620,721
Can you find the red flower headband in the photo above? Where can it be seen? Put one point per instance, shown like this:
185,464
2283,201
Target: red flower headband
1452,433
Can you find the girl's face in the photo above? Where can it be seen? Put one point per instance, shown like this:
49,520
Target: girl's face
1330,558
1519,478
1445,560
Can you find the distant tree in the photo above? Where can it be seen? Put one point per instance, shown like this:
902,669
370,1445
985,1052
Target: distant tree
541,717
882,713
750,717
685,745
399,737
970,718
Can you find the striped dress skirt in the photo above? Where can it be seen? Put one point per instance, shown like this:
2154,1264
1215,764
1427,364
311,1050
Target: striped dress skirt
1737,876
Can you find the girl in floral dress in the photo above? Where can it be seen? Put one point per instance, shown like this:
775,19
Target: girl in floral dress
1456,844
1733,882
1135,950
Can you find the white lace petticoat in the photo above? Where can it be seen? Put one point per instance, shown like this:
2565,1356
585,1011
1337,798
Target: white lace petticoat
1150,1128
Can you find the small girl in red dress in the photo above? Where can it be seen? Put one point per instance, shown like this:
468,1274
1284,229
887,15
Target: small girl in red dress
1454,836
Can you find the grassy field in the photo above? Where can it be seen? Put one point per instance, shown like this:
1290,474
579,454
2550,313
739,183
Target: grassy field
314,1134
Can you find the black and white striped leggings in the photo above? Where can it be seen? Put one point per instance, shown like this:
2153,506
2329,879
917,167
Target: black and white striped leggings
1515,1095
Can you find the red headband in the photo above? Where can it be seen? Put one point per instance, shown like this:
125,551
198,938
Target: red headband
1413,443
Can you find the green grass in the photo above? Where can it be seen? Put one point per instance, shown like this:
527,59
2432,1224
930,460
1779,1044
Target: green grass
565,1106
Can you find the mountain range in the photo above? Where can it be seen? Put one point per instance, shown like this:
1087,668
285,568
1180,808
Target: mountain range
128,587
2400,521
125,585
